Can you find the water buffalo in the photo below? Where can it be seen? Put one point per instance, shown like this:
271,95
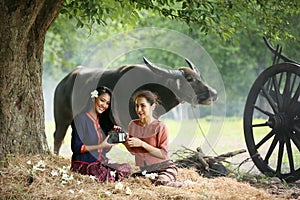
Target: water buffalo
172,86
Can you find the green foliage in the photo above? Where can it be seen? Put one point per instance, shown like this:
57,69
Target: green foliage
221,17
100,12
231,32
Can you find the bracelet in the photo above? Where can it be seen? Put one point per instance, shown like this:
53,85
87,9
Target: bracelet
83,149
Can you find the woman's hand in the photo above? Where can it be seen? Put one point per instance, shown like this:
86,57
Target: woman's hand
135,142
102,145
117,128
105,144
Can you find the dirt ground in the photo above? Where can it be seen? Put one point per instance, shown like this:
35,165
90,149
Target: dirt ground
37,177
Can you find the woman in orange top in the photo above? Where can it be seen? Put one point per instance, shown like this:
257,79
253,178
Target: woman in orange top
148,141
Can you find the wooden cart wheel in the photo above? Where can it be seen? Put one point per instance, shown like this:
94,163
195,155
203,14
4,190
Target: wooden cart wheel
272,121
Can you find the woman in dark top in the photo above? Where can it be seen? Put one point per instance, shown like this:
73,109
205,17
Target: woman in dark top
89,140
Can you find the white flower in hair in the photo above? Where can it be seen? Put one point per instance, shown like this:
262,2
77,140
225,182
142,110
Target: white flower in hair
94,94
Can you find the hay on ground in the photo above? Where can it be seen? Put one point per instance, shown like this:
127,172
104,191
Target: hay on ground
34,177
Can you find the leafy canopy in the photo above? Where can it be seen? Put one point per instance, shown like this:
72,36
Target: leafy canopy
220,17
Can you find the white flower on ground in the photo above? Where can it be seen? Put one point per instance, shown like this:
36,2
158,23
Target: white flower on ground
113,173
35,168
71,191
65,178
144,172
188,182
94,94
151,176
63,170
54,173
41,163
108,193
29,162
39,166
93,177
119,186
128,191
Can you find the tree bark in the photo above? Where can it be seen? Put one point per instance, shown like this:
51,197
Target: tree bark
23,27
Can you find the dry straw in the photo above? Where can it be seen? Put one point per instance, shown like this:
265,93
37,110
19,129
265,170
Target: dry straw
36,177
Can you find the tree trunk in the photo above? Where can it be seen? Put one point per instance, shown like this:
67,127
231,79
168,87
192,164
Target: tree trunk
23,26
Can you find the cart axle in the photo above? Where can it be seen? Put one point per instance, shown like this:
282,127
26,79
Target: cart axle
280,121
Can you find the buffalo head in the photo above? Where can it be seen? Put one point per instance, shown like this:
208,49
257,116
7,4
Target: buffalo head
189,86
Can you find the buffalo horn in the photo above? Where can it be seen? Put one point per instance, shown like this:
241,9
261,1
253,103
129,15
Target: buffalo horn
161,71
192,66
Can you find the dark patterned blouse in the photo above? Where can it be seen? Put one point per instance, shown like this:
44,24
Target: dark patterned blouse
87,131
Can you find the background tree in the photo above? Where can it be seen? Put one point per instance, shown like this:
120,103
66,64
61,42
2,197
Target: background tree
23,27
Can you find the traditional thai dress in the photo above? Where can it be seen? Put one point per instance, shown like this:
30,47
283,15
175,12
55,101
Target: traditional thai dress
87,131
155,134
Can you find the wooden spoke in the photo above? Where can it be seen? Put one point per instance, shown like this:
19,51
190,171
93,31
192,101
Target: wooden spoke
263,111
295,98
278,96
266,138
295,140
260,125
279,157
280,79
293,83
286,91
271,149
268,85
290,155
270,100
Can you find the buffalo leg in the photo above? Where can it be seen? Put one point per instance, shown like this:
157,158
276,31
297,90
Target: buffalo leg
59,135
